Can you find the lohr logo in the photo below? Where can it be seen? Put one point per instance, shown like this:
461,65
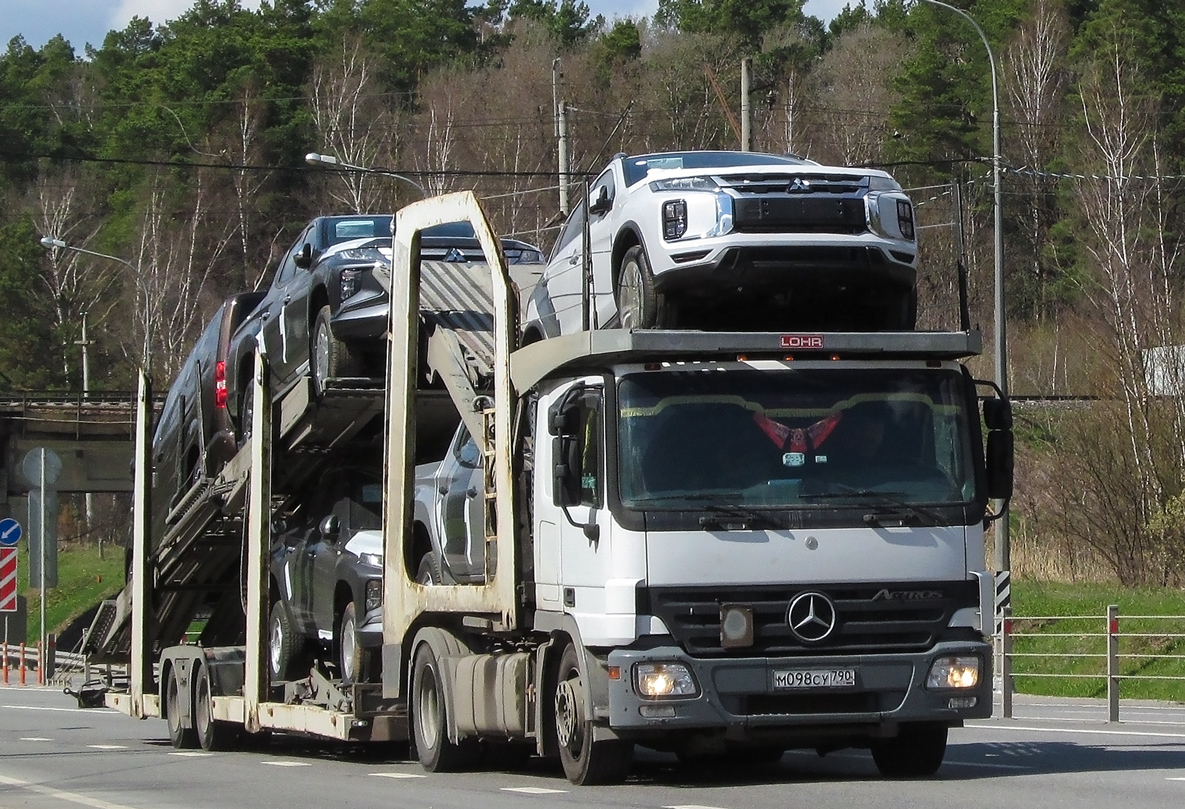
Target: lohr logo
802,341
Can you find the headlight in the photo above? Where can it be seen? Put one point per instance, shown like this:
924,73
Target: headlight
954,671
684,184
374,594
674,219
662,680
878,183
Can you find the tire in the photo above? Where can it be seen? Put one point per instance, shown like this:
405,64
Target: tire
637,302
182,736
916,752
352,659
282,643
246,409
427,573
212,734
329,357
429,719
586,761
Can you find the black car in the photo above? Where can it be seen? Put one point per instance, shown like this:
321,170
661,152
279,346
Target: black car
194,437
327,576
325,312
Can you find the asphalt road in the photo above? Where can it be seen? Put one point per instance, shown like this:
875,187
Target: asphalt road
1054,753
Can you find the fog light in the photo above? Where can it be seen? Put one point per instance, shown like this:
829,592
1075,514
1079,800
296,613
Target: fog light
954,671
736,626
674,219
962,702
659,680
657,711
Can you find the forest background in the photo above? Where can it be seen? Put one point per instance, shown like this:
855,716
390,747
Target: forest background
180,150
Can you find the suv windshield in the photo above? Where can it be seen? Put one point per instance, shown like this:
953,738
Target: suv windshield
638,166
784,438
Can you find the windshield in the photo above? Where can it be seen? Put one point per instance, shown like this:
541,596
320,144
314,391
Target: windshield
637,167
787,438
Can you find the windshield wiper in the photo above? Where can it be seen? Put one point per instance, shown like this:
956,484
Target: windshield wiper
749,518
882,518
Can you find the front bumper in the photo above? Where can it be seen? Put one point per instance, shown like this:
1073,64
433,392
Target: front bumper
737,697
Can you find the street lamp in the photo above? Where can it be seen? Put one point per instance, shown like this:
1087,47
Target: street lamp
331,162
1003,561
50,243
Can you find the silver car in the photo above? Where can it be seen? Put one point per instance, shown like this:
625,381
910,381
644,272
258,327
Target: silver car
731,241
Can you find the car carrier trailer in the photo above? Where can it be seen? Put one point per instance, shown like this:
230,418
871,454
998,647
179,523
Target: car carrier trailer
802,600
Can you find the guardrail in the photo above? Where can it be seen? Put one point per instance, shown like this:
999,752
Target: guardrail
1108,654
24,664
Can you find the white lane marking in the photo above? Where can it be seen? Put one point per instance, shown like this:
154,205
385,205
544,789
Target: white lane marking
35,739
107,711
945,763
398,775
690,806
191,753
1175,779
108,746
534,790
1082,730
287,763
72,797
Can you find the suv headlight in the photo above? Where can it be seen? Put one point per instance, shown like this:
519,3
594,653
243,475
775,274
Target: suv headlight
684,184
664,680
374,594
877,183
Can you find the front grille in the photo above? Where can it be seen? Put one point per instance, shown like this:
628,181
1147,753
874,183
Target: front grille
805,214
758,184
886,617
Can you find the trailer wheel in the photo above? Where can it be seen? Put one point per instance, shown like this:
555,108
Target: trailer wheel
586,760
916,752
429,719
637,301
182,734
330,357
212,734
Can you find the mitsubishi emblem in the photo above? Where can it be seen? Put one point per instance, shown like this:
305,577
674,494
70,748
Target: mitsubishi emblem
811,617
799,186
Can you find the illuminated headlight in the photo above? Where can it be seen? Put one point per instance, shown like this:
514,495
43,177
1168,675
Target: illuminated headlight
954,671
905,218
674,219
684,184
374,594
350,282
660,680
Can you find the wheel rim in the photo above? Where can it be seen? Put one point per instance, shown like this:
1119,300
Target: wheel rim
277,639
569,715
349,646
320,356
428,707
202,708
629,295
174,707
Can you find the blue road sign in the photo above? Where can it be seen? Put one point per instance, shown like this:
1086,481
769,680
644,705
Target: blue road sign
10,532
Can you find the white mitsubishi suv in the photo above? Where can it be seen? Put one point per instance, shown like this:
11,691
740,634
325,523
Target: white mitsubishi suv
733,241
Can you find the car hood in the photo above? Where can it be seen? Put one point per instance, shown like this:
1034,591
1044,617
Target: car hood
366,542
814,170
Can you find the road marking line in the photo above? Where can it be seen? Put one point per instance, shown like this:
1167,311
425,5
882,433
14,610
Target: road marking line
1175,779
287,763
1082,730
72,797
108,746
534,790
690,806
107,711
190,753
35,739
398,775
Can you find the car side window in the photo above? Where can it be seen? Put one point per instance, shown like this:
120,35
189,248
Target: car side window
288,267
605,188
573,228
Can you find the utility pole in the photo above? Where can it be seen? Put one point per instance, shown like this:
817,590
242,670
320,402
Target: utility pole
746,107
565,156
86,393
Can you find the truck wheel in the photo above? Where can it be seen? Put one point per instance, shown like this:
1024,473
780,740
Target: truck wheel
352,658
430,721
586,761
181,734
917,751
427,573
329,357
281,643
637,302
212,734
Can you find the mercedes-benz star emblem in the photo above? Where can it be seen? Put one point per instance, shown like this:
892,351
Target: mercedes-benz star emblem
811,617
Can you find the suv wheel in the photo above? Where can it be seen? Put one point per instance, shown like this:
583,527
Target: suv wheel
329,357
637,302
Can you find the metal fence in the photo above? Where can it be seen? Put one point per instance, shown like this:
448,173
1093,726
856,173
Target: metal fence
1110,654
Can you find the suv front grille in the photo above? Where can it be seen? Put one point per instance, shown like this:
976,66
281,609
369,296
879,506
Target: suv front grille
901,616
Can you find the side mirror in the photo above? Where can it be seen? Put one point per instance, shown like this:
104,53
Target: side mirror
279,525
566,452
564,418
1000,459
997,414
602,203
330,527
304,257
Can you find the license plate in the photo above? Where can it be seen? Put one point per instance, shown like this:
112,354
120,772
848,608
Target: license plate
815,678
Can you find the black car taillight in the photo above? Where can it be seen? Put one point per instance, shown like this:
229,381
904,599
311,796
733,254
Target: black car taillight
905,218
220,385
674,219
